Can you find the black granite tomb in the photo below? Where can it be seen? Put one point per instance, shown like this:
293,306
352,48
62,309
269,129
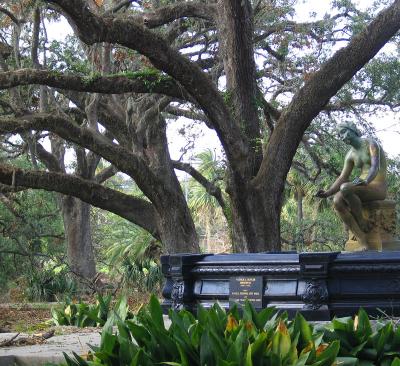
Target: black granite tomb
319,285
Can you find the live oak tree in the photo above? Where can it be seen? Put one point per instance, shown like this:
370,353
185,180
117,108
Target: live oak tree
156,60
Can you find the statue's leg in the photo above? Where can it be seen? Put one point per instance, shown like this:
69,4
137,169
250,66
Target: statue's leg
343,210
349,192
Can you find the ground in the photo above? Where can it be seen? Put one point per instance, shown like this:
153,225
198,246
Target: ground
25,318
35,317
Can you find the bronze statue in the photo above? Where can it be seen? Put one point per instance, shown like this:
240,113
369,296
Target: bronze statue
371,185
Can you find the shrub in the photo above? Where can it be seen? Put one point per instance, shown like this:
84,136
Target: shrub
89,315
358,339
217,338
48,285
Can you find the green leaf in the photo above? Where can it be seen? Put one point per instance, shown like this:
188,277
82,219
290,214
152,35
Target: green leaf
202,315
368,354
127,350
121,308
184,358
302,359
258,348
108,339
248,361
141,359
206,352
264,315
139,333
347,361
156,312
249,313
237,350
395,362
366,363
328,356
301,326
217,344
80,360
356,350
362,325
70,361
382,337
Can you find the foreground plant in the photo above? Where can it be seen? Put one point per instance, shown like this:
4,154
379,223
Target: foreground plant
217,338
89,315
360,341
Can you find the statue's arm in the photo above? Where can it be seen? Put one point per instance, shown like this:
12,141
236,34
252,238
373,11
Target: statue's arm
343,177
375,152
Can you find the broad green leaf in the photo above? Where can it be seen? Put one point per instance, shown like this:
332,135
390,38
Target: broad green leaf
302,359
237,350
329,354
248,361
141,359
70,361
217,344
382,338
121,308
258,348
184,358
156,312
206,352
139,333
264,315
362,325
202,315
301,326
396,362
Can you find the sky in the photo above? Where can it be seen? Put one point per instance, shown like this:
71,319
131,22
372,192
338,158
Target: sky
387,124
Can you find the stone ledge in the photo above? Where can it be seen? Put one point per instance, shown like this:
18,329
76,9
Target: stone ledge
50,352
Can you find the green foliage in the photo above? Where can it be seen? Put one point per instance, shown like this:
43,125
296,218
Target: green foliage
358,339
31,241
212,221
131,253
68,56
309,223
49,285
217,338
213,338
136,263
89,315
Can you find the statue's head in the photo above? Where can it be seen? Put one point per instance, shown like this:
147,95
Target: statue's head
348,126
348,132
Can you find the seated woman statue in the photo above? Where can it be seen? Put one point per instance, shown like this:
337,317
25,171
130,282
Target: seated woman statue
371,185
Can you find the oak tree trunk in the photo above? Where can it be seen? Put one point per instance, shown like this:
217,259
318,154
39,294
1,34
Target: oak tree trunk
76,216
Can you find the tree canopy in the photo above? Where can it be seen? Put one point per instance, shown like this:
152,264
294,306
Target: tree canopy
249,70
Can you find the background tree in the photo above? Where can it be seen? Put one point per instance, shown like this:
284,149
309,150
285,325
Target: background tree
169,59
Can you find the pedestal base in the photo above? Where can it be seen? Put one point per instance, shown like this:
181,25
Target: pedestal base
382,217
319,285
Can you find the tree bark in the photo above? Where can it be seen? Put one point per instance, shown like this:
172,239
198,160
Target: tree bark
76,217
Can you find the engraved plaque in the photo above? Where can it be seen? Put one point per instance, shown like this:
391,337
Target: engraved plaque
246,287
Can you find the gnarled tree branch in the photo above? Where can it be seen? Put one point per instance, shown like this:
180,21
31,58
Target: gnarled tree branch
131,208
115,84
127,32
210,188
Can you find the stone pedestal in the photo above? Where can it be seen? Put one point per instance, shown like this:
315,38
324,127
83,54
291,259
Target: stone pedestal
382,236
